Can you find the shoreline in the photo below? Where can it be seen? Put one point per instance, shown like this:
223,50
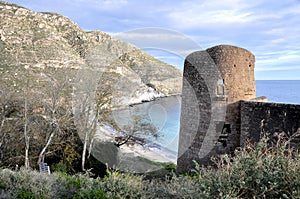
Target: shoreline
156,154
150,151
117,108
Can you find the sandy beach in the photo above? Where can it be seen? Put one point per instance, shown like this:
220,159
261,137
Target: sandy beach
132,156
153,154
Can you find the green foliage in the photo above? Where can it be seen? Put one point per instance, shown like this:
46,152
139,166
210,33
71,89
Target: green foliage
119,185
70,155
171,167
91,194
59,167
256,171
26,195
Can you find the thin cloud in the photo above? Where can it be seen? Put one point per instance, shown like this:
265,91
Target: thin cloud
213,18
272,62
221,13
282,68
162,39
99,4
269,29
280,59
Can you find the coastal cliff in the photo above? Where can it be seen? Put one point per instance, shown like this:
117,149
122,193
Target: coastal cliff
33,41
50,68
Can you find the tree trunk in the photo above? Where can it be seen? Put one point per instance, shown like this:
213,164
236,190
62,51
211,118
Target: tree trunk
3,135
90,147
42,154
26,137
27,152
92,134
2,124
84,151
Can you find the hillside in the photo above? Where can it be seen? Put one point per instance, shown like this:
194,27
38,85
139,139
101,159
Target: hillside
52,72
42,41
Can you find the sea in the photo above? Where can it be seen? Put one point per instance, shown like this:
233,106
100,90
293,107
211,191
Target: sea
281,91
164,113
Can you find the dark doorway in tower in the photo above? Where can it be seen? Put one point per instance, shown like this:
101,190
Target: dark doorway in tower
224,134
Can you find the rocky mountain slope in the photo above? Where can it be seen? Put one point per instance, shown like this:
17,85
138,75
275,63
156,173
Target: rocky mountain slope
42,43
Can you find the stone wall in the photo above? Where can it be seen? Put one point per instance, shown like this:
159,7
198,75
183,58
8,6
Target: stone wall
258,118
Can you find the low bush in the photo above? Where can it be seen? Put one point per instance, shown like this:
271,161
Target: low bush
256,171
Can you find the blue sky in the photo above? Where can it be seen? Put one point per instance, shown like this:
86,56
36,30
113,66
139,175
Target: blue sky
269,29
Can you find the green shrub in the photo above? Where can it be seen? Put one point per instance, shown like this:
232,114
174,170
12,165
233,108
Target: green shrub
91,194
26,195
59,167
256,171
171,167
119,185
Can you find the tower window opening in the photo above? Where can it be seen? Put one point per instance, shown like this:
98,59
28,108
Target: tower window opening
220,87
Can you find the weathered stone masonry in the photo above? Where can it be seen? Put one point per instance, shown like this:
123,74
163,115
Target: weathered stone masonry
260,118
237,70
215,116
212,90
197,105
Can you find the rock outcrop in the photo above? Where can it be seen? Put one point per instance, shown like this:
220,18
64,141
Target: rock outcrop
43,42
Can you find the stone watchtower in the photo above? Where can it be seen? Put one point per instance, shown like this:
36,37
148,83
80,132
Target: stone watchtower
214,82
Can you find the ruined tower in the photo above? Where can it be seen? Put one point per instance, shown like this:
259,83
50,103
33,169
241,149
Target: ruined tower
237,69
214,82
236,66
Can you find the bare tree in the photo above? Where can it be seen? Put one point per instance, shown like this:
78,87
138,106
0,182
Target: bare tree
87,128
93,112
8,120
35,113
137,132
14,103
57,110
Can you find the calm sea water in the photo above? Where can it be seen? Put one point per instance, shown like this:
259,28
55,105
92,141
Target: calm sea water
165,112
283,91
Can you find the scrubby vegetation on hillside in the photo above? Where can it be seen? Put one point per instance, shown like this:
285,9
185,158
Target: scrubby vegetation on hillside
53,74
260,171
